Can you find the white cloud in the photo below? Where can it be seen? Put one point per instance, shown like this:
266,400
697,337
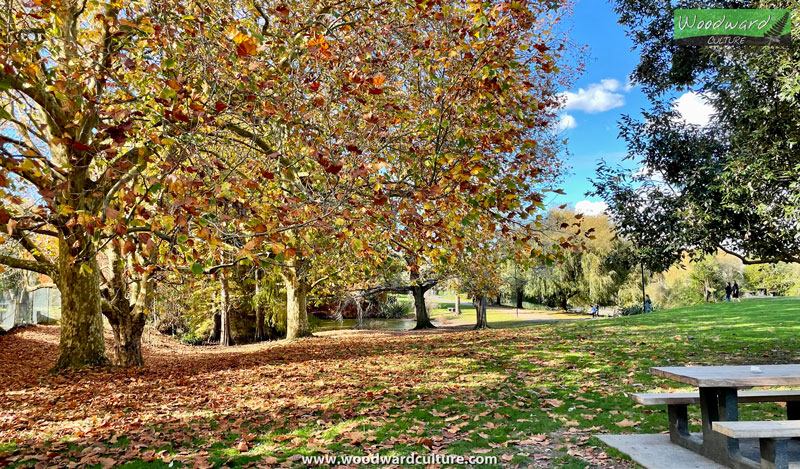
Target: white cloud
694,108
629,85
565,122
597,97
587,207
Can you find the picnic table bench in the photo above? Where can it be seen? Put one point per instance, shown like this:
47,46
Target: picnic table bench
719,396
773,438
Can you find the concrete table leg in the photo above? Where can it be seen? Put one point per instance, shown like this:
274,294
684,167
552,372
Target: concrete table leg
774,453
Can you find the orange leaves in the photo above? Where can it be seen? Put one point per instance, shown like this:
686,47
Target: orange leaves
379,79
246,45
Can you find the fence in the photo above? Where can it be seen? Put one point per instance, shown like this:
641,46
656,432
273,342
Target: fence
17,308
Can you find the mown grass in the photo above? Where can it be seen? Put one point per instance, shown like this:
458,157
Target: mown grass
565,381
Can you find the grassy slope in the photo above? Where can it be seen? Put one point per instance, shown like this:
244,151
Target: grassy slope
465,392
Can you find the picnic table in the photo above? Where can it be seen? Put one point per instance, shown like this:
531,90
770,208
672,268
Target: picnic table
719,402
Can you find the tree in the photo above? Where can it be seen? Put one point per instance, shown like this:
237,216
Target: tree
79,122
728,185
591,271
402,122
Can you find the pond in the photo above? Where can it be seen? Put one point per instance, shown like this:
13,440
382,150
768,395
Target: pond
402,324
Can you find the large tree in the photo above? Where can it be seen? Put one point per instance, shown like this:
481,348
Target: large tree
81,119
731,184
370,123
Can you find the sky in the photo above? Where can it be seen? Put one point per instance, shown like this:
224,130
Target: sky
599,98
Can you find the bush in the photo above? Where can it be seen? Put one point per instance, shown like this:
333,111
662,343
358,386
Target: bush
392,309
631,310
192,338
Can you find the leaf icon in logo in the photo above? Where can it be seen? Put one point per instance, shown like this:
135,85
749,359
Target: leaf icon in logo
777,28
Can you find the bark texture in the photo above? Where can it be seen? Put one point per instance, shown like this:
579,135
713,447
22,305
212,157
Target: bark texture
519,299
297,288
127,302
78,280
480,312
128,331
458,305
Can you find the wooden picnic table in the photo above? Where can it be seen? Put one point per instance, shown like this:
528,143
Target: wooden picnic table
718,386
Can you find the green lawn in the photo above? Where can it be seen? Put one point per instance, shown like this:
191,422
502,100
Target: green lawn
532,395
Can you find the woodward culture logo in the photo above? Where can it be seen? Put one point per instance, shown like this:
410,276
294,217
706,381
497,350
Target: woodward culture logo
700,27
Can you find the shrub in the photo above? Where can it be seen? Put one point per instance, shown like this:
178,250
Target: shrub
392,309
631,310
192,338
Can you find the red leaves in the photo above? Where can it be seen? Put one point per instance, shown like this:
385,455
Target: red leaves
80,146
219,106
334,168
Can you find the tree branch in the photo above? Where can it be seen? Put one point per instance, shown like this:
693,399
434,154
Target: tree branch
34,266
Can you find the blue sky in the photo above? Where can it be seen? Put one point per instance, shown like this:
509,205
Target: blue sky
599,97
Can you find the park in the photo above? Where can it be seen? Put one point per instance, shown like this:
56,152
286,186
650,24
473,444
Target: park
399,234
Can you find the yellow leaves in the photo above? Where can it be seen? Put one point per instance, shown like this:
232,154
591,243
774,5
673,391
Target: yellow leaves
379,79
278,247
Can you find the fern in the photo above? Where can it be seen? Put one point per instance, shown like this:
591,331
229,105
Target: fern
777,28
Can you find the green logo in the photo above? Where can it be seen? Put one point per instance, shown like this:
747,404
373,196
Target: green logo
733,27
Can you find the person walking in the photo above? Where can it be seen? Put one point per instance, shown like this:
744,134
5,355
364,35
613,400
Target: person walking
735,292
648,305
728,290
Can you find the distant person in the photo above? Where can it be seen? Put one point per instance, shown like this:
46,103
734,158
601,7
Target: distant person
594,311
735,291
728,290
648,304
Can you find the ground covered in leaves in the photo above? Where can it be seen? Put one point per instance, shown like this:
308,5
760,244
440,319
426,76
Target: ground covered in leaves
532,396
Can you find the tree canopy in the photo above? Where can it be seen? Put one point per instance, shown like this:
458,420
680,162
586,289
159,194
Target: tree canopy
731,184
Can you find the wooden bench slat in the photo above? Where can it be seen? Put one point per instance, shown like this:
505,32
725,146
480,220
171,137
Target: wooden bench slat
694,397
758,429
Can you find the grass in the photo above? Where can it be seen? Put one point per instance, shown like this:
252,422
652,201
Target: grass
532,395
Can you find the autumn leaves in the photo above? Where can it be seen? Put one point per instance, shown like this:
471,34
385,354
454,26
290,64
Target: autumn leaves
323,143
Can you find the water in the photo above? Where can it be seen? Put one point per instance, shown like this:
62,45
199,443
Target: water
319,325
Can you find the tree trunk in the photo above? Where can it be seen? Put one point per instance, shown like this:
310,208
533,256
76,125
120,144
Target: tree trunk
423,320
225,338
480,312
128,330
129,298
260,333
499,300
562,302
458,305
82,342
519,299
296,301
215,331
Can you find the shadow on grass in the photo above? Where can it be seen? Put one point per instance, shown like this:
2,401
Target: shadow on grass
394,393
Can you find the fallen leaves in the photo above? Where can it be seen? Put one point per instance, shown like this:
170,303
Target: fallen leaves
189,399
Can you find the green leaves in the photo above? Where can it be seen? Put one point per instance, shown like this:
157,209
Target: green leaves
198,268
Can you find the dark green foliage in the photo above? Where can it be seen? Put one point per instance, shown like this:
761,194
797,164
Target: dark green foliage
632,310
730,185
